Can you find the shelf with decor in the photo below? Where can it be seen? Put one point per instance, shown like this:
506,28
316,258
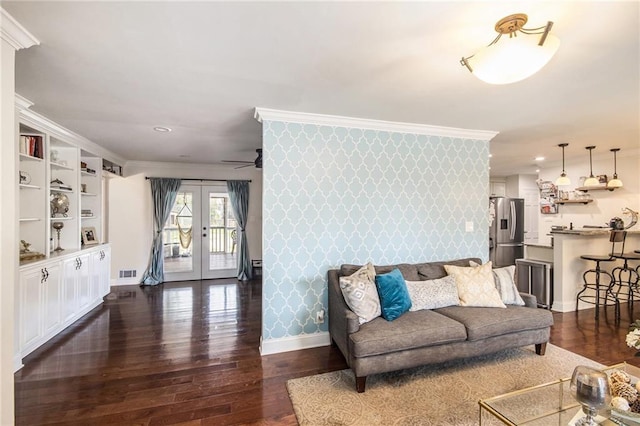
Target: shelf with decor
32,199
91,176
595,188
585,201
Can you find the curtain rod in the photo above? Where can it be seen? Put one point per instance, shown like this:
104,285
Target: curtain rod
203,180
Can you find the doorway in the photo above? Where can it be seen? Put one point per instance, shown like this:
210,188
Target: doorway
200,235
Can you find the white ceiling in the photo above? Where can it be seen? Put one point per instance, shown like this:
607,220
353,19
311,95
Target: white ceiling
111,71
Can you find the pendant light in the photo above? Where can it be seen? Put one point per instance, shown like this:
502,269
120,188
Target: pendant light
563,180
615,182
591,181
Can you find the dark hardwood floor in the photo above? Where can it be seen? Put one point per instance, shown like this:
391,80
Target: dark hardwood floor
187,353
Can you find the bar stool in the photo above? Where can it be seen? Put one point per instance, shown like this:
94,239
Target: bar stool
625,275
596,284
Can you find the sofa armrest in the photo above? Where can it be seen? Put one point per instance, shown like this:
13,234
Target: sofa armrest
342,320
530,300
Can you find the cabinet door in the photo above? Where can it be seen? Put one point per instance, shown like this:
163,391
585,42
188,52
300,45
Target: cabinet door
30,307
84,282
100,268
69,289
105,272
51,300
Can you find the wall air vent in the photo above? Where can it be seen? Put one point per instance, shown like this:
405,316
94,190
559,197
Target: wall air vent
128,273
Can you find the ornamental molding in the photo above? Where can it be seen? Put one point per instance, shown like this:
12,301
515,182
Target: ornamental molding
266,114
14,33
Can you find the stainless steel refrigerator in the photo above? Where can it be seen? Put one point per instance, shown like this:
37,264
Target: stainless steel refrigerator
506,233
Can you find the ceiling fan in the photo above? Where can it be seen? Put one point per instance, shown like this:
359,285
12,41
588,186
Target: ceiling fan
257,162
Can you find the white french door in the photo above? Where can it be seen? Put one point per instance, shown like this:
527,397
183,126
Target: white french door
199,238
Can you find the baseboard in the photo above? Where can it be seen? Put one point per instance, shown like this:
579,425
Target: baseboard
17,362
124,281
294,343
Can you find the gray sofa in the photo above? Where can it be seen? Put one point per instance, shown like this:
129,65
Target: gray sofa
429,336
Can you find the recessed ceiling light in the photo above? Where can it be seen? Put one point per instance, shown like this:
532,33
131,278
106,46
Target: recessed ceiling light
537,170
539,158
162,129
490,155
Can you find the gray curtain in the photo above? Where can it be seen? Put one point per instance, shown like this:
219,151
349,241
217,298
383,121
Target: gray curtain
239,197
163,191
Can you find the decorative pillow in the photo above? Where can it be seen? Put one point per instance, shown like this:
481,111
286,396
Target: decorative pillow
360,293
394,296
504,279
433,294
476,286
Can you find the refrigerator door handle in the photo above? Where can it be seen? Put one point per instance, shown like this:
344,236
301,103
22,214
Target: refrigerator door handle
514,220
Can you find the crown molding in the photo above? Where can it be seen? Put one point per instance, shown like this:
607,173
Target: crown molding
14,33
266,114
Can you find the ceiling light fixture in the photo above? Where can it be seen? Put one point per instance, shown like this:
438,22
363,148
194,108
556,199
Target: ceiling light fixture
591,180
563,180
516,58
539,158
162,129
615,182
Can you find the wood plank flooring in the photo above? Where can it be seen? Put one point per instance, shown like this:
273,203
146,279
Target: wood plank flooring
187,353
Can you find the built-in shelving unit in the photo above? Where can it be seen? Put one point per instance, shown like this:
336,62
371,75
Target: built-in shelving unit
57,286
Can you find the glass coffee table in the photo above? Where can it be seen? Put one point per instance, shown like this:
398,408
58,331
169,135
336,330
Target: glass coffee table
548,404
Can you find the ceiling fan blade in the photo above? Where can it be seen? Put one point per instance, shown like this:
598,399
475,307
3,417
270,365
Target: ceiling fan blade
242,167
236,161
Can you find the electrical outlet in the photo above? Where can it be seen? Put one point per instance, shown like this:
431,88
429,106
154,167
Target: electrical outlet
320,316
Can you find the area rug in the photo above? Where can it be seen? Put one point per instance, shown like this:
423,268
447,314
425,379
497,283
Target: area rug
442,394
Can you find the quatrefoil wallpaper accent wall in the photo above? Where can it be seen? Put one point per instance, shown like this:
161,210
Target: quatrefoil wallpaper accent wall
334,195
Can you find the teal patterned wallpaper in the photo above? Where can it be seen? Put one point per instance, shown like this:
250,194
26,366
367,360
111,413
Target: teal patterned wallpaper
334,195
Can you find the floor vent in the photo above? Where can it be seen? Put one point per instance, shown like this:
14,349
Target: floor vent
131,273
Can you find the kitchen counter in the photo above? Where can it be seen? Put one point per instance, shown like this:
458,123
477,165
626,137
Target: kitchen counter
568,246
588,231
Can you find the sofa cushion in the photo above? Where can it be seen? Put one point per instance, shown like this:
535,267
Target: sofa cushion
476,286
432,294
394,297
409,272
411,330
481,323
433,270
360,293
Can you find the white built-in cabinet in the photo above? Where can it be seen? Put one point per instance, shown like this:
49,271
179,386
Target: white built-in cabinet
55,292
60,279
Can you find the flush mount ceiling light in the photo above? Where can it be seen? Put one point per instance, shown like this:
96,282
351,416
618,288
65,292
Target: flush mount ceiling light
162,129
515,58
591,180
539,158
615,182
563,180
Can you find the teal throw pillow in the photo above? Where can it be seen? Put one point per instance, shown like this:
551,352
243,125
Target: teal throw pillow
394,296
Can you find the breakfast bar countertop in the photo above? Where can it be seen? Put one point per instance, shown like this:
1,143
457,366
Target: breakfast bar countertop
588,231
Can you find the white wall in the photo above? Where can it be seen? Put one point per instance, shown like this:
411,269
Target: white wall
606,204
131,216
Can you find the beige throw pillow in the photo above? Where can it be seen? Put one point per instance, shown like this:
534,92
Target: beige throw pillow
476,286
504,279
360,293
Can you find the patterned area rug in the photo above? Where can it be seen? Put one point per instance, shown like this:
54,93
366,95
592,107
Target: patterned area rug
442,394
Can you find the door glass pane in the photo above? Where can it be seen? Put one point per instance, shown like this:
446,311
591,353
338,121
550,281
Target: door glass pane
222,231
177,235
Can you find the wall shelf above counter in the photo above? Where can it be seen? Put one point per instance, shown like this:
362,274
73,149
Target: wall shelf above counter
585,201
595,188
